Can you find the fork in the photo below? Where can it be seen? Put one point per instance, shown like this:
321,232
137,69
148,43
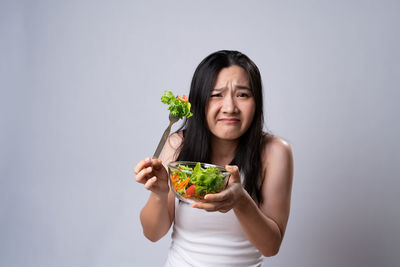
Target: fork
164,137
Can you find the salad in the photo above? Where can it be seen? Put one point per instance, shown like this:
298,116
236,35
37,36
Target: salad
195,183
179,107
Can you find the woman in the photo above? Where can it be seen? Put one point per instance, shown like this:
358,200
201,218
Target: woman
248,219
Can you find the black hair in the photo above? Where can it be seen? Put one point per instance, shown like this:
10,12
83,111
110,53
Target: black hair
196,145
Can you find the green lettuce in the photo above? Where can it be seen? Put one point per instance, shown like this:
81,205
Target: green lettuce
178,107
206,181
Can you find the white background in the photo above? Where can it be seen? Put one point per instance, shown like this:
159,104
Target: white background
80,86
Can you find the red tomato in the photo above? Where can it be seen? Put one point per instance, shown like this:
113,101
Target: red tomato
191,190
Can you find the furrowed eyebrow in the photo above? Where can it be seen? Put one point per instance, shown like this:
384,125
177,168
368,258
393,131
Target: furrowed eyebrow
219,89
237,86
243,87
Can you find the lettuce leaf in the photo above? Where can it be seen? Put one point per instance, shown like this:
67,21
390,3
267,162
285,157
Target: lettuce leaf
177,107
206,181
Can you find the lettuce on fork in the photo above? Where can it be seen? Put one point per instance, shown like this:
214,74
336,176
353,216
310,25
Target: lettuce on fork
179,107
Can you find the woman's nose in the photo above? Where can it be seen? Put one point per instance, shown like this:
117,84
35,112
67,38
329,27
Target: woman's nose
229,104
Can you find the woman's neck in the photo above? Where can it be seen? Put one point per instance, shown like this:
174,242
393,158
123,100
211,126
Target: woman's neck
222,151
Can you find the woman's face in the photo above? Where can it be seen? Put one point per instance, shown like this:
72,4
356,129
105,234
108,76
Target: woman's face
231,107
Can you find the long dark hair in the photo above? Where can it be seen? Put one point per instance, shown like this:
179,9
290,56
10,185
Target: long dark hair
196,145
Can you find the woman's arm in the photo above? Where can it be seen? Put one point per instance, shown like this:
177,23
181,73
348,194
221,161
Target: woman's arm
154,216
264,225
158,213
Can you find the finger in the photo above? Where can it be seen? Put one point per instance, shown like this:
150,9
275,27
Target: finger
144,175
150,182
139,166
142,164
157,164
235,175
216,197
224,210
204,207
207,206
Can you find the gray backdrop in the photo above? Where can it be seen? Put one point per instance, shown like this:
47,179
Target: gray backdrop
80,87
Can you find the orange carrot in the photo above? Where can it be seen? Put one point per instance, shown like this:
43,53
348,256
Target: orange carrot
174,178
183,98
183,184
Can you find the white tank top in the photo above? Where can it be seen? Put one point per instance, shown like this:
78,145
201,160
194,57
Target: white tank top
201,238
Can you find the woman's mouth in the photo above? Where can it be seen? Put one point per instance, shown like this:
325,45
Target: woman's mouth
229,120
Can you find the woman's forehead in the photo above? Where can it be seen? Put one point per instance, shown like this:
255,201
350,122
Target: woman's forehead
232,75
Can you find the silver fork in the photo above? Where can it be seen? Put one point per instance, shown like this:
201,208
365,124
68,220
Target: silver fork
165,135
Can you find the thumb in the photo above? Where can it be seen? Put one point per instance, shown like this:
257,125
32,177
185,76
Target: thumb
235,175
157,164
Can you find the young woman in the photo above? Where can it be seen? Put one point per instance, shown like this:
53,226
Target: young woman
247,221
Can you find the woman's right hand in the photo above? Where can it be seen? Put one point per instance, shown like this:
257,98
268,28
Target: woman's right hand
154,176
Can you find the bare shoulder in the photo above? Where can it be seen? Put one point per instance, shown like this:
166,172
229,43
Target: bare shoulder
274,146
276,151
171,148
175,140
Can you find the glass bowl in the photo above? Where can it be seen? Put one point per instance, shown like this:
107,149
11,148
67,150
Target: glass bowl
191,181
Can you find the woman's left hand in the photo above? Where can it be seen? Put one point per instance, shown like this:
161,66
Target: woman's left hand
227,199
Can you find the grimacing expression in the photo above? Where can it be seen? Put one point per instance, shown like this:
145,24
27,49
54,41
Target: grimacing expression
231,107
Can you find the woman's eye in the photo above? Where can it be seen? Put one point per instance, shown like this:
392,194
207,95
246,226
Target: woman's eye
216,95
243,95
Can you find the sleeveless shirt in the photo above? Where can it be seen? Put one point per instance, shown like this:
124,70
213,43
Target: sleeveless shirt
201,238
